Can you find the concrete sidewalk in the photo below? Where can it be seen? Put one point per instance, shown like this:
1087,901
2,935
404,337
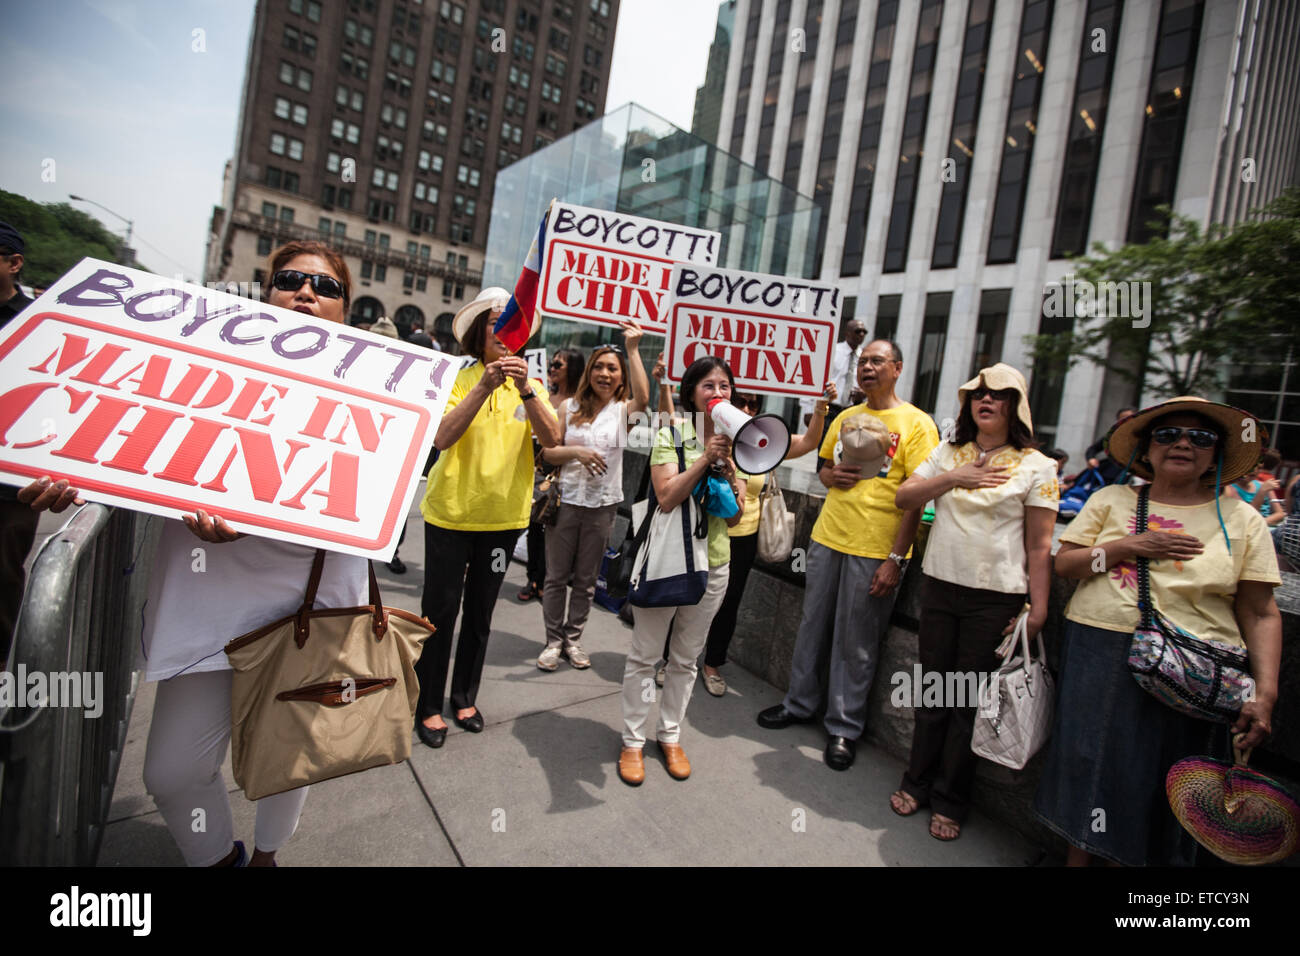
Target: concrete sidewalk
540,785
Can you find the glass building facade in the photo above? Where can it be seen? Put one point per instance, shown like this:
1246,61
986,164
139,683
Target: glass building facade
633,161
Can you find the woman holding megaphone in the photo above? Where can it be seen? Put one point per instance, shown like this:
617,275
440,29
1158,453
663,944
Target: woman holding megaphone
675,479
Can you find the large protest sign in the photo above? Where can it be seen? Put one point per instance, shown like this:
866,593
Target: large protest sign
776,333
166,397
607,267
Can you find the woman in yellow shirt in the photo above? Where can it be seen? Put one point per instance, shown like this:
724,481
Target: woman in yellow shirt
477,502
1212,572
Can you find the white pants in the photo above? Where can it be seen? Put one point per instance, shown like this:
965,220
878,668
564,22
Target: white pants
182,771
690,632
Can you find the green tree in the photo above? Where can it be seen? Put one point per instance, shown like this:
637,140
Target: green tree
1216,296
57,235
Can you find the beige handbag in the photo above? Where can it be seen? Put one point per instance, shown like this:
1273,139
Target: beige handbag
775,524
323,692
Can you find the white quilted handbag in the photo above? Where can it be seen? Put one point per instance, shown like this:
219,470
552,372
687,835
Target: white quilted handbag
1015,713
775,524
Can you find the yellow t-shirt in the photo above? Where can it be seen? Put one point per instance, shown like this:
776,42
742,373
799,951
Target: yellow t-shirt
484,482
1197,594
863,519
664,453
748,523
978,537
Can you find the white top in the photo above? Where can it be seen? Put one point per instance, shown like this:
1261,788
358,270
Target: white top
203,596
577,485
844,372
978,537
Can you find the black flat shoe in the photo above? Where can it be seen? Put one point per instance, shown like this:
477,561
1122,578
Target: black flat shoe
839,753
396,566
429,736
774,718
473,723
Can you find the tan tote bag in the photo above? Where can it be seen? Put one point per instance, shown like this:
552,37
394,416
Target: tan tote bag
775,524
323,692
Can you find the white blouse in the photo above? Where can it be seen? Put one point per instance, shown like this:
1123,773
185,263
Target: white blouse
580,487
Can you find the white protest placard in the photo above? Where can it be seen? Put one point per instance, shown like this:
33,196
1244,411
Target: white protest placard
776,333
536,359
606,267
166,397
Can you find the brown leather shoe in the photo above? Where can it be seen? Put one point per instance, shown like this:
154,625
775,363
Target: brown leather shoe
631,767
679,768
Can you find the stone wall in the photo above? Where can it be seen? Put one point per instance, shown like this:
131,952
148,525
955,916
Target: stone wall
769,622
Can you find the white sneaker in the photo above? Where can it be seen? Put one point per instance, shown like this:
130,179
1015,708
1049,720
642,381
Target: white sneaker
549,659
578,657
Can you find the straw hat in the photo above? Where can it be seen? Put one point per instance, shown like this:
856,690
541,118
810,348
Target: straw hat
997,377
865,442
493,297
1239,456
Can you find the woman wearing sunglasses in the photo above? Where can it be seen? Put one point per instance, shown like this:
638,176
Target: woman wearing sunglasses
1212,573
995,498
593,433
189,617
562,374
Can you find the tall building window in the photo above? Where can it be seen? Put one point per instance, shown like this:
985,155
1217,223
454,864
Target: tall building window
961,140
1047,384
1162,135
934,336
990,328
1022,120
830,142
873,109
909,164
887,307
1087,120
776,56
746,76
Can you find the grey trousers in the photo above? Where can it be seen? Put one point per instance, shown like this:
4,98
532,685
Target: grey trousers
841,627
574,546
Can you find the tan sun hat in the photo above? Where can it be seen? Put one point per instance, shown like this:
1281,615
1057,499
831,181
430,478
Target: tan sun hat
493,297
1239,455
384,326
865,442
997,377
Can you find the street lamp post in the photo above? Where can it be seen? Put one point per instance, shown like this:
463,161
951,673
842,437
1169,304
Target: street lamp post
126,249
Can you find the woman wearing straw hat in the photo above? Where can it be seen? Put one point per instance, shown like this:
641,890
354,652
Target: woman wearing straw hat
478,499
1212,573
995,498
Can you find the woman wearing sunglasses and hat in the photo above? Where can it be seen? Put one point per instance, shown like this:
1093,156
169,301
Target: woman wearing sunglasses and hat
1212,573
995,499
189,618
477,502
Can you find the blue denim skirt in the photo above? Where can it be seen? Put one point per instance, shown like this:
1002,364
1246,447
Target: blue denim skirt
1103,783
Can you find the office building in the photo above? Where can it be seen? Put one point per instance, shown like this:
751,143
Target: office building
380,125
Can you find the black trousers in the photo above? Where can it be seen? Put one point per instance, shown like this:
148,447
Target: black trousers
744,549
960,631
17,532
537,553
472,563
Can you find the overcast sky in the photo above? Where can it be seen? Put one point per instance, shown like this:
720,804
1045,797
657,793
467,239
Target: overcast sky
126,104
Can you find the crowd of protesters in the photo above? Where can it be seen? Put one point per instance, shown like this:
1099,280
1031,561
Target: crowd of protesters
505,439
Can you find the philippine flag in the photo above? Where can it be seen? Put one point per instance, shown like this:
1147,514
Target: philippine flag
515,326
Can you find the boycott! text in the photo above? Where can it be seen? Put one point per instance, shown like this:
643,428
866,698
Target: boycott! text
654,239
773,293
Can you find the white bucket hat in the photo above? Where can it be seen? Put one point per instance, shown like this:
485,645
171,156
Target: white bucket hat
493,297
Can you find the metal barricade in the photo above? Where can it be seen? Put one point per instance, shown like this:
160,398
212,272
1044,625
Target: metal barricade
80,618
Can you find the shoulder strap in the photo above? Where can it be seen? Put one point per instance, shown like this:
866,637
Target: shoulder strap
1144,565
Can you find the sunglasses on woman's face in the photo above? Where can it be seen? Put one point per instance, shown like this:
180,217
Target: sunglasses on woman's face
1001,395
291,280
556,366
1200,437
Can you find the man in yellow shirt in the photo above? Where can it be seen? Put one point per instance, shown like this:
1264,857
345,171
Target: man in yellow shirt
860,545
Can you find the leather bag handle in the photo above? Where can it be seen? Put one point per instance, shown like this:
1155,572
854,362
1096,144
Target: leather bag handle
302,623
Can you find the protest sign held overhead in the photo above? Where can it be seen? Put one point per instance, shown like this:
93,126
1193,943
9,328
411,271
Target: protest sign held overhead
608,268
776,333
166,397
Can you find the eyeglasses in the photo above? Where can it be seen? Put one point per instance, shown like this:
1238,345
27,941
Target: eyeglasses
557,365
875,361
1001,394
1200,437
291,280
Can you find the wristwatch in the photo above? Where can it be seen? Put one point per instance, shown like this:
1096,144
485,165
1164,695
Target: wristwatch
526,397
898,559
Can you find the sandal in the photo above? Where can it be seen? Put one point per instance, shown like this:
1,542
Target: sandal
944,824
909,802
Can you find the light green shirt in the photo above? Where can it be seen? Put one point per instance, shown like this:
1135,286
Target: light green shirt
664,453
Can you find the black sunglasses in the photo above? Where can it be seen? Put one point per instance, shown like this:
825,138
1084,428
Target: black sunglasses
556,365
1170,434
291,280
1001,394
